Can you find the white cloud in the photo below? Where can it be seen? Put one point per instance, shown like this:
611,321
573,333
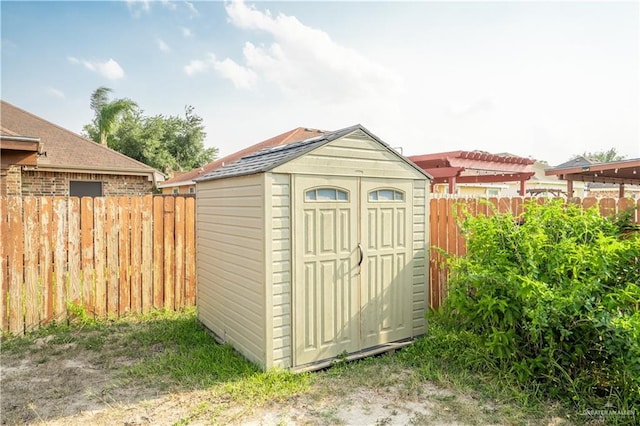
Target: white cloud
162,45
241,77
197,66
186,32
192,9
306,62
138,7
51,91
169,4
109,69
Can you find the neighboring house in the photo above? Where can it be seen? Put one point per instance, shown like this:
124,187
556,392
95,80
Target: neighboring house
540,185
474,173
589,178
185,184
41,158
15,152
611,190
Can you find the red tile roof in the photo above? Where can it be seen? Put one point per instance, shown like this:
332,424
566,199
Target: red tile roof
65,149
295,135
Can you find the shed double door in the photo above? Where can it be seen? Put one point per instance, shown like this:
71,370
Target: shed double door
352,261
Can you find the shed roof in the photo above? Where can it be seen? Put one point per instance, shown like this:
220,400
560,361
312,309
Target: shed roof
66,150
271,158
295,135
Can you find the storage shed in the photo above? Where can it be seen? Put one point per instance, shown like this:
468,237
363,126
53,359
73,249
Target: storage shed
314,250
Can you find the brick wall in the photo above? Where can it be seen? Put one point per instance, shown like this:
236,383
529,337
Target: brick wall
10,181
41,183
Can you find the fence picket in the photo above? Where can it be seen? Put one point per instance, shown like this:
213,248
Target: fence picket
147,254
86,252
15,264
179,253
169,259
75,291
124,256
433,254
112,229
100,256
59,242
45,259
158,252
31,220
607,206
136,254
190,251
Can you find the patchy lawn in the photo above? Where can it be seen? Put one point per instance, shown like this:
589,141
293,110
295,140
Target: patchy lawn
164,369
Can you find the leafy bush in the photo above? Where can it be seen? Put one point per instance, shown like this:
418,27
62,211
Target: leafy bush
554,295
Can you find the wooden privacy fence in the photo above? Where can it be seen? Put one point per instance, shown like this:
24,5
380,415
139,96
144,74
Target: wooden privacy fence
119,255
110,255
445,233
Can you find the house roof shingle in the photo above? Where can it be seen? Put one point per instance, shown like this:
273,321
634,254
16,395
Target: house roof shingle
64,148
295,135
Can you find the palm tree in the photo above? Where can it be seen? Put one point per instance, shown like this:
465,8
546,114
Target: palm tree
107,113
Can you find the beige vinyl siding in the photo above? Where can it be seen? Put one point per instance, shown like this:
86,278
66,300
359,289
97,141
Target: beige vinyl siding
280,246
420,244
353,155
230,251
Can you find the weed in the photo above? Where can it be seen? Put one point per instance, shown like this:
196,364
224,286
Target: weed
551,299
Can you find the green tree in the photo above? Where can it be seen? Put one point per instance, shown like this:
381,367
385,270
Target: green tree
603,156
107,114
162,142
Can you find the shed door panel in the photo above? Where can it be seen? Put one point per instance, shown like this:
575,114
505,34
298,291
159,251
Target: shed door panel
327,292
339,306
386,270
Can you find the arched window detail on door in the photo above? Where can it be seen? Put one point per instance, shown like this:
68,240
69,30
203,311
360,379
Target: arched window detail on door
386,195
324,194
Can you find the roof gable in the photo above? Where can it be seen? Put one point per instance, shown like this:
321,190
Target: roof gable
270,158
65,149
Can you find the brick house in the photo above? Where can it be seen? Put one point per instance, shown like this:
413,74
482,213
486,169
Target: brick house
42,158
184,183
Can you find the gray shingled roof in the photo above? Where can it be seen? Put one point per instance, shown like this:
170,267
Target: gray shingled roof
578,161
270,158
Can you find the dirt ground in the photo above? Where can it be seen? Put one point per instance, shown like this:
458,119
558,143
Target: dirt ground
65,384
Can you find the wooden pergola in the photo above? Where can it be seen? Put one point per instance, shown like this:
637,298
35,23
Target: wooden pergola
457,167
625,172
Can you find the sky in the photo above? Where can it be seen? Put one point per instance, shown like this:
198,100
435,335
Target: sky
545,80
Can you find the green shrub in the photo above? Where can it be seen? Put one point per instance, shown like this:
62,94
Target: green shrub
554,295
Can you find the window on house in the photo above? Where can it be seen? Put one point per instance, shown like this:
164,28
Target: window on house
80,188
492,192
386,195
175,190
192,190
325,194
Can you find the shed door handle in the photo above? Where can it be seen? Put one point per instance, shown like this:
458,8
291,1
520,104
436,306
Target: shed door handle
361,254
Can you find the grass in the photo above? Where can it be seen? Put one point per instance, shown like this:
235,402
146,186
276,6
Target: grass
171,352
